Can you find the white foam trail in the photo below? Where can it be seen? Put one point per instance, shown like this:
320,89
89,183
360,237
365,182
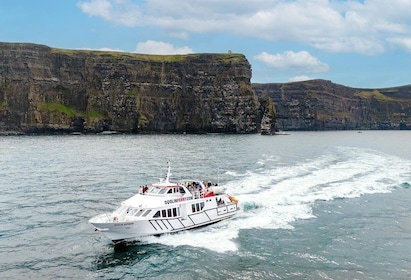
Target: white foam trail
218,237
276,197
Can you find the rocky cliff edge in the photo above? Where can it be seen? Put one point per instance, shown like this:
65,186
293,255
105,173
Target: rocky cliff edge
323,105
48,90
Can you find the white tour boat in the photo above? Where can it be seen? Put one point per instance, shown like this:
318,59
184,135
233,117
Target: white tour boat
166,207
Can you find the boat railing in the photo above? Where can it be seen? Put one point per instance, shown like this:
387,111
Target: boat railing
102,218
197,194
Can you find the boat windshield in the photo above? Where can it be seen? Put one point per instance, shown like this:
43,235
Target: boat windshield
160,190
123,209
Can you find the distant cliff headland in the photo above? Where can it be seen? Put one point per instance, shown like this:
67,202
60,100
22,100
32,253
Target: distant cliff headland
323,105
47,90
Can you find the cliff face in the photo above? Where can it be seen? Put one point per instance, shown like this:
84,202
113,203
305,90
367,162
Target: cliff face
46,90
322,105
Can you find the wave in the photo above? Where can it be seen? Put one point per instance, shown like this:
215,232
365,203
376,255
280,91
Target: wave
275,197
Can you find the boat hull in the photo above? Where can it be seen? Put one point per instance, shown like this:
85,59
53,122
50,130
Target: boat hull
136,229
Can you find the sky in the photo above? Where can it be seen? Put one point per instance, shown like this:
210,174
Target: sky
357,43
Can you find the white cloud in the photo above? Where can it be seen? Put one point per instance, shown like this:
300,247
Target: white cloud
302,62
335,26
123,12
401,43
299,78
180,35
158,47
96,8
350,44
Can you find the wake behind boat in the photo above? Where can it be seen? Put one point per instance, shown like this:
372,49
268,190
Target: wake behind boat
166,207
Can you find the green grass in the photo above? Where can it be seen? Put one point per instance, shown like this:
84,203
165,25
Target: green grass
217,57
57,108
142,120
94,114
373,94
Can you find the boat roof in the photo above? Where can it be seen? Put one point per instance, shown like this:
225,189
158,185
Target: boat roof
164,184
145,201
150,200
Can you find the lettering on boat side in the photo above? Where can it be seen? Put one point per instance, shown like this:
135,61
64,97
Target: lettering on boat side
169,201
122,224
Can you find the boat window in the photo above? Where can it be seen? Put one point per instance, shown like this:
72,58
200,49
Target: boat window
139,212
163,213
181,189
174,212
169,213
146,213
121,209
197,207
132,212
156,190
157,214
125,211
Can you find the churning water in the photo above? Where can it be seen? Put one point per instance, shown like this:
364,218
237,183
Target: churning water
315,205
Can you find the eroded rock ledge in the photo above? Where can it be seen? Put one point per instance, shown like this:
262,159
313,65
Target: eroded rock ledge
323,105
48,90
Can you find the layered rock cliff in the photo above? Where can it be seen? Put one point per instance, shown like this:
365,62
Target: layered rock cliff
48,90
323,105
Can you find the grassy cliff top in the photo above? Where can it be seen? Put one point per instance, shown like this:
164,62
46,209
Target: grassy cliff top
215,57
212,57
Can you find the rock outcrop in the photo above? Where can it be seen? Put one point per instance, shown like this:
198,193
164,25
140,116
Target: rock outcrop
323,105
48,90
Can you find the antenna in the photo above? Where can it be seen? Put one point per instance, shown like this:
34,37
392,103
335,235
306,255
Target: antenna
168,171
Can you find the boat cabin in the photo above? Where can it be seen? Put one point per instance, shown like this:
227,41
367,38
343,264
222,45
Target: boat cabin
164,200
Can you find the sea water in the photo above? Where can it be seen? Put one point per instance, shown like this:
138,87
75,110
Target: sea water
314,205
